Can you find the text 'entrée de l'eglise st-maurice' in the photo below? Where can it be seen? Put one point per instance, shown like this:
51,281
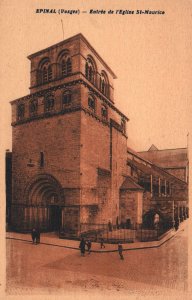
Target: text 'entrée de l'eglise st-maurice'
126,12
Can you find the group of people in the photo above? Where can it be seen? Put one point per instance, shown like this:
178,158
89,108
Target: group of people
82,246
35,234
84,243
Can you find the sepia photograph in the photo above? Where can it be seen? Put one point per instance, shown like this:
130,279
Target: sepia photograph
95,139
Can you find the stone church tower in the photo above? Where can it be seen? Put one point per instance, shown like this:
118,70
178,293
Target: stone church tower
69,156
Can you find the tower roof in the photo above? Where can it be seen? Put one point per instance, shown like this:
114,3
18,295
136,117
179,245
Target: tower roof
153,148
75,37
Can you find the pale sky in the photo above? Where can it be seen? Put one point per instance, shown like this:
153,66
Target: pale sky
150,54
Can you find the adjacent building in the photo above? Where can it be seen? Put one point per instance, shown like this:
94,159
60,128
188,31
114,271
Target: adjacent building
175,161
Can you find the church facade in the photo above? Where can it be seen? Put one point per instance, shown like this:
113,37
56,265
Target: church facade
70,163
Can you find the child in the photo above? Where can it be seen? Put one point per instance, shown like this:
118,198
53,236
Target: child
89,246
102,243
120,250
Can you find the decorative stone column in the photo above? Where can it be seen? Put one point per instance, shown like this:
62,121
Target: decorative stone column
165,188
55,71
178,213
184,213
151,178
187,212
159,187
173,217
139,209
181,213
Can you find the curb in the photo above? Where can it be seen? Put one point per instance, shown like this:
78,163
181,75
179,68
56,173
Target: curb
159,243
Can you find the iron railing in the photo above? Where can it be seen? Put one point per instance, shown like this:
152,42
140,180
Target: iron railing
116,234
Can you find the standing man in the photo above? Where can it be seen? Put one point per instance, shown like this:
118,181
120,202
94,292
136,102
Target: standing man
82,247
176,224
38,236
156,221
34,235
110,225
120,250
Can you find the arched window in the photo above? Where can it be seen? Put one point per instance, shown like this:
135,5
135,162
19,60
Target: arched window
123,125
63,67
66,98
65,63
87,70
104,84
91,74
66,66
69,65
20,111
45,73
49,73
33,107
91,103
49,102
104,112
90,70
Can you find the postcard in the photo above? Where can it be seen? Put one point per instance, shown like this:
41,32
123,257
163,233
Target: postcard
95,130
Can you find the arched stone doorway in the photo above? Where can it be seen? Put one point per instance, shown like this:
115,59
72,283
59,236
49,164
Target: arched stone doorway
44,199
149,218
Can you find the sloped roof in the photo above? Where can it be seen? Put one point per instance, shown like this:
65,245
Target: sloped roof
167,158
130,184
148,167
153,148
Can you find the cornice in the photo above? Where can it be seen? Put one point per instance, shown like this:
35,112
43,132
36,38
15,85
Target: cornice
93,89
51,114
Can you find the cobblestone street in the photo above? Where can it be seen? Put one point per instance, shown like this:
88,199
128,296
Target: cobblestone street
44,269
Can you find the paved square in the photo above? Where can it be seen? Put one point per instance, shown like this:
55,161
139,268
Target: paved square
54,270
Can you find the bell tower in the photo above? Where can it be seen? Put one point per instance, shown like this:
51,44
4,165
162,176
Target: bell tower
69,142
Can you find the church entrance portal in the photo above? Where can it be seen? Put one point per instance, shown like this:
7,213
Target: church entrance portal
45,203
55,217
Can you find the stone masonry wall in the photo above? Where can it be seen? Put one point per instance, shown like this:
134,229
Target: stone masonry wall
131,206
59,139
119,169
97,142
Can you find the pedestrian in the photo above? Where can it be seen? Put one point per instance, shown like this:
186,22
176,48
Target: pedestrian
82,247
110,225
102,243
34,235
176,224
38,236
89,246
120,250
